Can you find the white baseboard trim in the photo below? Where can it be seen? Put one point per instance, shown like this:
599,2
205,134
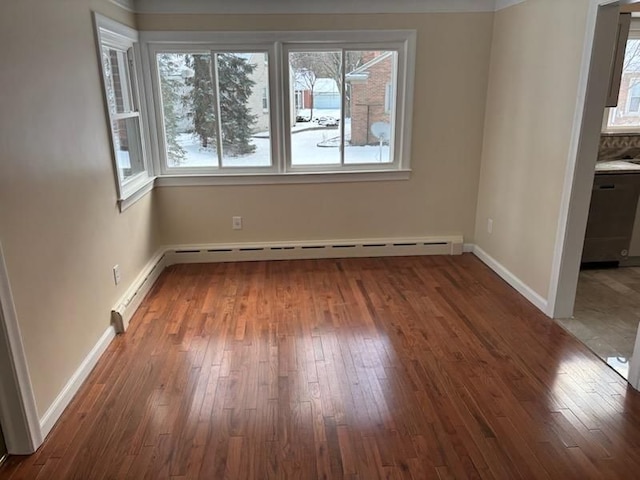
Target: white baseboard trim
125,308
53,413
468,248
522,288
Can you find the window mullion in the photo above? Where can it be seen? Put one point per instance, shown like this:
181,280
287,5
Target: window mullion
285,85
343,99
216,105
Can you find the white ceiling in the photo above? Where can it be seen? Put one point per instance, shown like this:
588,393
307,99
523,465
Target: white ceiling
314,6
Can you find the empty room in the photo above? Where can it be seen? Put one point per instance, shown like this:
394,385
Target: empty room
276,239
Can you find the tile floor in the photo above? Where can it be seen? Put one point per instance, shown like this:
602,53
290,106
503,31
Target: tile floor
607,314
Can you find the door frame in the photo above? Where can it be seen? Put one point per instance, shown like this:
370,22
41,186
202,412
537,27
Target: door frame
18,411
602,24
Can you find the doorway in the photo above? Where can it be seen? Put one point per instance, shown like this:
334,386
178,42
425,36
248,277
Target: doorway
599,294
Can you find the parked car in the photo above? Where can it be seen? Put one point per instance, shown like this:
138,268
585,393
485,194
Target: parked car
303,115
328,121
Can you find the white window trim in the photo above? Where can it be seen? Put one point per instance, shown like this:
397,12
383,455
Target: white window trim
634,34
275,43
114,34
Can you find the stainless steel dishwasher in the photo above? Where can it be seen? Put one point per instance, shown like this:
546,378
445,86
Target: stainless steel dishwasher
611,215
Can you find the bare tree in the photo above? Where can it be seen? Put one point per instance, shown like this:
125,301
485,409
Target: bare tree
632,56
309,66
305,74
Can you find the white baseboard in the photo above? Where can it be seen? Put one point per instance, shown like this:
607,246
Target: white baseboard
468,248
522,288
131,300
53,413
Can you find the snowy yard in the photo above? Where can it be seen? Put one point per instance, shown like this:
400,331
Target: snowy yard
309,147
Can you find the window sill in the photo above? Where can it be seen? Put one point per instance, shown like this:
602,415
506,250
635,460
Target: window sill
136,193
279,178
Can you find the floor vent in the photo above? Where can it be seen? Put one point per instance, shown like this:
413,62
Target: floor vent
450,245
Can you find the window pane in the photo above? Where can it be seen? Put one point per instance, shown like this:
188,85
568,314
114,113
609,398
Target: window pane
188,110
243,81
126,140
370,106
316,79
116,68
627,113
190,113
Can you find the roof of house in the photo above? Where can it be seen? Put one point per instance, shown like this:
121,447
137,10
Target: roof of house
362,69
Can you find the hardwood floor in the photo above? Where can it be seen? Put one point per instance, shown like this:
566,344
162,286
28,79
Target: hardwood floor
423,367
607,314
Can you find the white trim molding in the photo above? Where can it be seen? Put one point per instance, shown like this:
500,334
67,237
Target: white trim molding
222,7
131,300
600,36
63,399
128,5
502,4
281,178
634,363
523,289
18,410
468,248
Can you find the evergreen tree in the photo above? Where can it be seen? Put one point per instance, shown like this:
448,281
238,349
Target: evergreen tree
200,98
235,86
170,83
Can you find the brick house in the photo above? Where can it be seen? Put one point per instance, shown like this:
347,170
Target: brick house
627,113
372,95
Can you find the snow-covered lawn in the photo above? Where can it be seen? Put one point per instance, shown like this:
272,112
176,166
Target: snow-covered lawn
309,147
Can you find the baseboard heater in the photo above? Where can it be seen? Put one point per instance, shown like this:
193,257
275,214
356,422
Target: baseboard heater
125,308
450,245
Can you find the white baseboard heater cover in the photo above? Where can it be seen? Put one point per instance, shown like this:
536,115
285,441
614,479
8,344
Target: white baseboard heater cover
451,245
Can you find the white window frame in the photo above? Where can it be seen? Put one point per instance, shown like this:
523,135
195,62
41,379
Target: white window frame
634,34
281,105
120,37
163,166
633,85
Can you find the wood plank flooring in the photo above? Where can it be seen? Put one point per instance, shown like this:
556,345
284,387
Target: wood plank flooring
420,367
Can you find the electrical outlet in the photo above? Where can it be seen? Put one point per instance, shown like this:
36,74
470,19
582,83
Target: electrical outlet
490,225
116,274
236,223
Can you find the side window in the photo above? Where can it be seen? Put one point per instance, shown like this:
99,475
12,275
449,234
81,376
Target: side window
117,61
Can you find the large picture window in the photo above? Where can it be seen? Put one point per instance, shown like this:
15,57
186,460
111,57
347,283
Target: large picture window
282,102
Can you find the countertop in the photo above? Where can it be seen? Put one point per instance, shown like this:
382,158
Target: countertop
618,166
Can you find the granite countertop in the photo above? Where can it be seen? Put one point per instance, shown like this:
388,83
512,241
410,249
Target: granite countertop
618,166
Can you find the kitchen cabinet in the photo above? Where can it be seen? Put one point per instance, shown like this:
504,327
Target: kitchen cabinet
612,213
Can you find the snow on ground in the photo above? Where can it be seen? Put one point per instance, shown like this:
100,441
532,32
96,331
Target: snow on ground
305,146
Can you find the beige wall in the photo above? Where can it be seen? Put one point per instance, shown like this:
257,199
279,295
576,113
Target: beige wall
59,224
533,83
451,81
